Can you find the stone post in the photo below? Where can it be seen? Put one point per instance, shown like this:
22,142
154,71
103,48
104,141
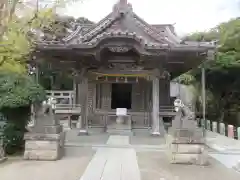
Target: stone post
208,125
231,131
238,133
214,126
203,123
222,129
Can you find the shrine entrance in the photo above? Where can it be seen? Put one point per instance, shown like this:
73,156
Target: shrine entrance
121,96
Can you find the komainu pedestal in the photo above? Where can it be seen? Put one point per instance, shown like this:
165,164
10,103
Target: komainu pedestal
45,141
45,147
186,146
186,143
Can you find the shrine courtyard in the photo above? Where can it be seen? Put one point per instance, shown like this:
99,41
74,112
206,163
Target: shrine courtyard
121,62
103,156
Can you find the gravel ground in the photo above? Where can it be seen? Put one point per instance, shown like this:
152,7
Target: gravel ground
154,166
71,167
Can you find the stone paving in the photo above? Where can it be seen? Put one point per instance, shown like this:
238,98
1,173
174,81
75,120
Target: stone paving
113,163
222,143
119,157
227,150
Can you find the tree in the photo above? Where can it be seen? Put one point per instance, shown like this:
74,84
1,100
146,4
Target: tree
20,25
15,44
222,74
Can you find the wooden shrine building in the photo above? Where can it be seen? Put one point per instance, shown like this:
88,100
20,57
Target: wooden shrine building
124,62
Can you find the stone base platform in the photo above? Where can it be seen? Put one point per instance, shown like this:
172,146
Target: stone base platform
186,147
45,147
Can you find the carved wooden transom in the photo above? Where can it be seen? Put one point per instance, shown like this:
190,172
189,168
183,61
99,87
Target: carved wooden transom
119,49
126,66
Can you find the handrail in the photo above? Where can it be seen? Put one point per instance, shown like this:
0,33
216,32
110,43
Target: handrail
58,91
71,106
166,108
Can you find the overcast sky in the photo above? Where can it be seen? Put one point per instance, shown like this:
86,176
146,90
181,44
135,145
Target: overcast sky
187,15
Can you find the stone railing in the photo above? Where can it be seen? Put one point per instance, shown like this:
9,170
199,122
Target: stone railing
62,97
68,109
224,129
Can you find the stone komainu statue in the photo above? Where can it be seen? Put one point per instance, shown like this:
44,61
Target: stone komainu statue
46,107
185,117
44,110
46,138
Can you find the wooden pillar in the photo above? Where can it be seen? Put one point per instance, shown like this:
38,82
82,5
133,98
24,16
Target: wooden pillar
155,108
84,107
157,121
75,84
78,101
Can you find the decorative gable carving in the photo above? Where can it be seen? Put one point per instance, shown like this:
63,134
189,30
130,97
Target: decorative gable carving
114,23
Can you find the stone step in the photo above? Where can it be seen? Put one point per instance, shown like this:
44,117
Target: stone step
197,159
119,132
187,148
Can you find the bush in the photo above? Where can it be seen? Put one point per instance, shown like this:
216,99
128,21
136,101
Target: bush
17,119
17,93
13,139
17,90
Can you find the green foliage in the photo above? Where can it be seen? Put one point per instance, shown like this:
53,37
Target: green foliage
186,79
222,74
16,44
14,49
13,138
203,36
17,119
18,90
